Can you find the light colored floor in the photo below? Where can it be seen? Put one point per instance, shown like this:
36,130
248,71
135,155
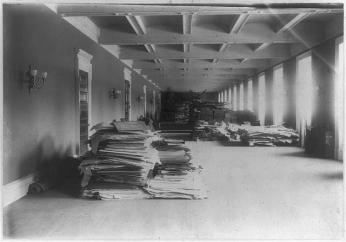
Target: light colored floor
254,193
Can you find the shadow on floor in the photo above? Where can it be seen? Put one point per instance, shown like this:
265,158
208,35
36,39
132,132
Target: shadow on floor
303,154
332,176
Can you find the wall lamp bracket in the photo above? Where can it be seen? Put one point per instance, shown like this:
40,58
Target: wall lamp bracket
114,93
36,81
140,98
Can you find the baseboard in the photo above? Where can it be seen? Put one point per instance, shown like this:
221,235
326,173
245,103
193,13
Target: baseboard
17,189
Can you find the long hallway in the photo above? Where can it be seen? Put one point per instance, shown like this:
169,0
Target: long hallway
254,193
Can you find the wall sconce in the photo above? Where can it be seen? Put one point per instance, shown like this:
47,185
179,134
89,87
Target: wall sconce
114,94
140,98
36,81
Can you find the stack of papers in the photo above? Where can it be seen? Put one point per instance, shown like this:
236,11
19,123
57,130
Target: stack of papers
178,176
187,186
268,135
118,162
107,191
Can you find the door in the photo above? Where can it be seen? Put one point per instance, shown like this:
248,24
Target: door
83,111
127,100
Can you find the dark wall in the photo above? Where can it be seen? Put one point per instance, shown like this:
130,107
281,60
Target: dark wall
39,127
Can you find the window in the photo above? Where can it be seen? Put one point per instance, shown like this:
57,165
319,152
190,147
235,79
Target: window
241,96
230,96
154,101
261,99
279,107
249,96
145,100
338,94
235,98
304,95
221,95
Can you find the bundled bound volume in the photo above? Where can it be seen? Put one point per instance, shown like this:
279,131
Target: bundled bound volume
120,162
177,176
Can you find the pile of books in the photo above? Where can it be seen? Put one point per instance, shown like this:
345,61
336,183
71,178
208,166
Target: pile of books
178,175
120,163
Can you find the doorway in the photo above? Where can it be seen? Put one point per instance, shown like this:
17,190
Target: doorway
127,100
83,101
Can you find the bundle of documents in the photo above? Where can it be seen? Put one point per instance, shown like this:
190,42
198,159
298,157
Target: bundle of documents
268,135
246,133
177,176
107,191
120,160
187,186
205,131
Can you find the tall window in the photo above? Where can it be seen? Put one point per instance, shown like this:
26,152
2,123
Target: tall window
261,99
241,96
219,97
249,96
226,95
279,107
230,96
304,94
235,106
154,101
145,100
339,94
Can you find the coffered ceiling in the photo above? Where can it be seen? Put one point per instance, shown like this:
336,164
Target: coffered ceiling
197,47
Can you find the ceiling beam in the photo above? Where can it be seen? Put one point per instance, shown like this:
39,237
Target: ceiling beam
206,65
201,78
200,70
196,75
239,23
254,36
187,23
187,47
137,24
223,47
140,29
172,71
293,22
150,10
262,46
288,26
273,52
150,48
